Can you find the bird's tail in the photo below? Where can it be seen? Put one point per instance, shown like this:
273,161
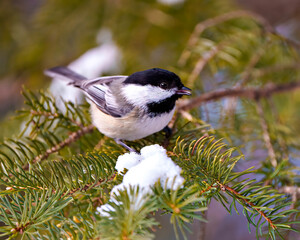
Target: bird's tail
66,74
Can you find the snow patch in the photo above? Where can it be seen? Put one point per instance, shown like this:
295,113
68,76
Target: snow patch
128,160
145,170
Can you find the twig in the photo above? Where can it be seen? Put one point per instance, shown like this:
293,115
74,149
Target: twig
231,105
90,185
72,138
207,189
240,197
275,68
294,191
275,115
200,27
20,228
266,135
245,76
252,93
202,228
189,117
202,62
44,113
53,115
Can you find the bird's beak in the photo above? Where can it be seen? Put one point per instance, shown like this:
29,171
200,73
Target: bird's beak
184,91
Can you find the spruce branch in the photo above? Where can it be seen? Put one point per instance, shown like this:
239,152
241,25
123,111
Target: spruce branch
200,64
75,175
55,115
244,200
208,23
128,216
206,189
72,138
266,135
52,191
250,93
209,164
46,129
89,186
184,204
200,27
275,69
26,211
255,58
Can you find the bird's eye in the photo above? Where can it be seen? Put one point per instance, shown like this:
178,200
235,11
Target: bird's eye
163,85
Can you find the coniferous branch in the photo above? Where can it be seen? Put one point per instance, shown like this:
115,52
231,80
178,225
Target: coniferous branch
266,135
91,185
236,50
54,115
127,217
245,201
200,64
26,212
211,167
184,204
275,69
37,215
251,93
72,138
66,178
46,129
200,27
45,114
246,74
95,171
76,175
128,214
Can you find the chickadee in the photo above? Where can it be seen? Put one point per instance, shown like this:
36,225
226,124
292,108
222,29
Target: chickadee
128,107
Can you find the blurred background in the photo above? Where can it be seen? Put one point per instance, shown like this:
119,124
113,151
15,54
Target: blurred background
123,36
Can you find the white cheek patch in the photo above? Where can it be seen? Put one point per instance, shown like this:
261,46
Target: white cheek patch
142,95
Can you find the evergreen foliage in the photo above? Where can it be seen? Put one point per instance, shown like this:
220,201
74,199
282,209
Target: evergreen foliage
52,192
56,168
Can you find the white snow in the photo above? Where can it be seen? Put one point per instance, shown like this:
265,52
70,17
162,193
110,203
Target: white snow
127,161
144,170
147,168
104,209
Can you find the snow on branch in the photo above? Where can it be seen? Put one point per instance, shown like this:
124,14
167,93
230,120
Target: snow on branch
144,170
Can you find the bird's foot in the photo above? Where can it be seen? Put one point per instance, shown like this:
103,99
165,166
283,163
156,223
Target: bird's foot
119,141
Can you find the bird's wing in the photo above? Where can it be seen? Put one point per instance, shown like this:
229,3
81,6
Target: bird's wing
104,93
98,90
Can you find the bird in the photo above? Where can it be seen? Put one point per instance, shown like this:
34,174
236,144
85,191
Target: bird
128,108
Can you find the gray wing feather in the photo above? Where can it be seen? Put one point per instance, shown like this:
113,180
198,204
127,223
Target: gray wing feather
102,80
65,74
97,95
97,90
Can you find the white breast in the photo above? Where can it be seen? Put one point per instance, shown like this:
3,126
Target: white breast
148,125
129,127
